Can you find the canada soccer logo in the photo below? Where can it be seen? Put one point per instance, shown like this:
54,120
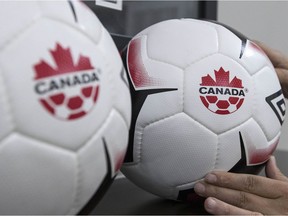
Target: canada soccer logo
222,96
68,91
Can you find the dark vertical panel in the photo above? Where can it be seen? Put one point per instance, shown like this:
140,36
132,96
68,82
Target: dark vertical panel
208,10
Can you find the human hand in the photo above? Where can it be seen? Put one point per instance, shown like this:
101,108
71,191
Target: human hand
230,193
280,63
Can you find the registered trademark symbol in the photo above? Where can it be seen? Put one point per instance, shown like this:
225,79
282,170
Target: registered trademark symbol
246,90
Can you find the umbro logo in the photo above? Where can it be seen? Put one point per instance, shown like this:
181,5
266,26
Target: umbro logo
277,103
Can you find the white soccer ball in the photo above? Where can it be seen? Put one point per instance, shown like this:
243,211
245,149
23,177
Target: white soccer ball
204,98
64,105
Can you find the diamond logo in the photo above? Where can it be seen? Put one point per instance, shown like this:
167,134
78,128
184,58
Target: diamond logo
277,103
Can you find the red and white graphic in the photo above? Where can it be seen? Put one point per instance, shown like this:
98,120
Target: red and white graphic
136,67
70,90
220,95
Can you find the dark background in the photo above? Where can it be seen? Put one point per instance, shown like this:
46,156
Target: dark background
137,15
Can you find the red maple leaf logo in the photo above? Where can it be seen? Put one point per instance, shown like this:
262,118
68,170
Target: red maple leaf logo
221,79
64,62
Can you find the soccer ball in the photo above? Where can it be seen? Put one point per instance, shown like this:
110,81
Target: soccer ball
65,108
203,98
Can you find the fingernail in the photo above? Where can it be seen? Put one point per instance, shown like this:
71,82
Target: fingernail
211,203
210,178
199,188
273,159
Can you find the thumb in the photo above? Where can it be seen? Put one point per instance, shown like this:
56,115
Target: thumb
272,170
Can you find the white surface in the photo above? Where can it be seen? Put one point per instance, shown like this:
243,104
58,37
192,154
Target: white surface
43,173
166,145
265,21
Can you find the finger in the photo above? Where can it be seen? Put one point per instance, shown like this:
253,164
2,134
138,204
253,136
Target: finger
277,58
257,185
217,207
283,78
236,198
282,74
273,172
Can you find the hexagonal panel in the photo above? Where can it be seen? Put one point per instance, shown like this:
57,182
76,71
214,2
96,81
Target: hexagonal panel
233,100
106,148
101,158
246,52
223,104
257,148
93,162
221,77
23,74
36,178
75,102
120,88
26,12
169,100
172,151
229,43
116,141
254,58
87,92
73,12
212,99
270,107
57,99
182,44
